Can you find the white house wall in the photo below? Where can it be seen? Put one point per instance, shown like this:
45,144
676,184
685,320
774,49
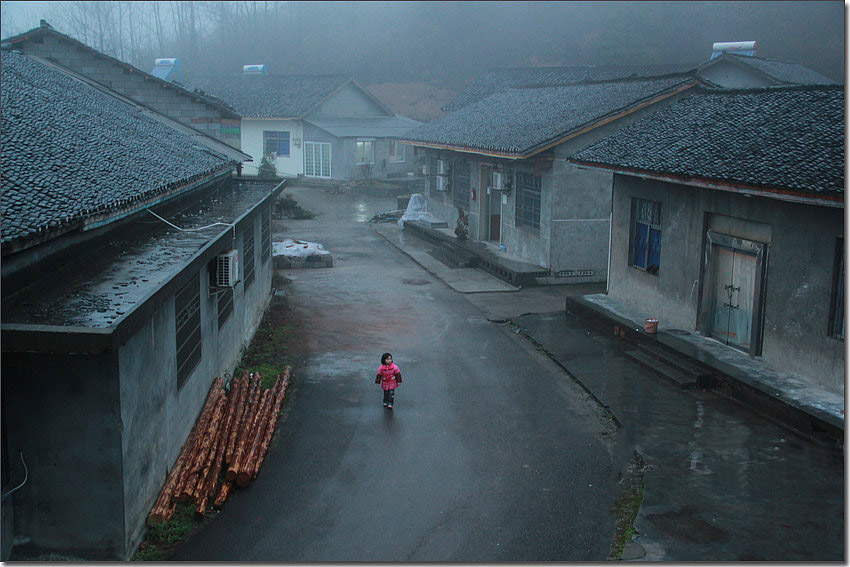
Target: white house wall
252,144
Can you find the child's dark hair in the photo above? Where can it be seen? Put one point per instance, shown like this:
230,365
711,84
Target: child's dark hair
384,357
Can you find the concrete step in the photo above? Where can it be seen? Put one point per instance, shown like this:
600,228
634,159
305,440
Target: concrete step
685,381
702,375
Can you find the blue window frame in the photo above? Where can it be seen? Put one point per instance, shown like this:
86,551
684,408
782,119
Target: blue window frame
276,143
646,235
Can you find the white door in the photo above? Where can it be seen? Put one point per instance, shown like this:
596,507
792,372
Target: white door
317,159
734,293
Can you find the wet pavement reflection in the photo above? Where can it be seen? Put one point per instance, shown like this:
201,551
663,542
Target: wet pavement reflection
722,483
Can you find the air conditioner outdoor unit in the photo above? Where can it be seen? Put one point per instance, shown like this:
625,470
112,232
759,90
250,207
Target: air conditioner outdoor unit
497,181
442,183
227,269
442,167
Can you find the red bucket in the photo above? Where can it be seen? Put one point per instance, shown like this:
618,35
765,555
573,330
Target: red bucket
651,326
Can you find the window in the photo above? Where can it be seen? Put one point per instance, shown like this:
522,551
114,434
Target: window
248,255
527,206
276,144
396,151
836,319
460,184
225,305
187,316
645,241
266,235
365,151
317,159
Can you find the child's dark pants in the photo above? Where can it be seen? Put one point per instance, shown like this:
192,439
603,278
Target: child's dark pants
389,395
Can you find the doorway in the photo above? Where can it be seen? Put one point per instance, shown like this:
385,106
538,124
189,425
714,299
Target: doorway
491,207
732,298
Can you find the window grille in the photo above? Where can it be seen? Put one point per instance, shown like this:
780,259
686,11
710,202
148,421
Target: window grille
266,249
225,305
460,185
527,206
248,255
645,238
187,316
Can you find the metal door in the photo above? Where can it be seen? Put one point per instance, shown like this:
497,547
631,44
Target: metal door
734,284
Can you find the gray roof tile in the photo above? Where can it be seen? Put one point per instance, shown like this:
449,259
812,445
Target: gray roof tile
520,121
785,138
69,150
503,78
271,96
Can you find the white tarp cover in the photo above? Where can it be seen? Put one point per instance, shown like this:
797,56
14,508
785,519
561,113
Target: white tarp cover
417,210
297,249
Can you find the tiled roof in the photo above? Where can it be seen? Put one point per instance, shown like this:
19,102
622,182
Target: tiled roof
70,151
783,71
780,138
517,122
37,35
503,78
272,96
377,126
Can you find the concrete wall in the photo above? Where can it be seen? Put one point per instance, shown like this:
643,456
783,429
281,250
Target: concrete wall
100,431
252,144
177,105
799,269
64,415
156,414
572,241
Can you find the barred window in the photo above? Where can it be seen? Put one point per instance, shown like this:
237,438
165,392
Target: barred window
645,241
266,249
248,255
225,305
528,190
276,143
460,184
187,316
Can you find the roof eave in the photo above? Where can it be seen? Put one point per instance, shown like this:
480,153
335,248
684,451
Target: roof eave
780,193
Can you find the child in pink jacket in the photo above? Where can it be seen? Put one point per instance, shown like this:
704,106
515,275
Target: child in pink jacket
389,377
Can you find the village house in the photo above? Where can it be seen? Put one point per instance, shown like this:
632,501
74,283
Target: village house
502,160
134,269
316,126
159,91
728,222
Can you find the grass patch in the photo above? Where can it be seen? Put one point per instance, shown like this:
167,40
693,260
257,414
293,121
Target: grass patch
160,540
626,506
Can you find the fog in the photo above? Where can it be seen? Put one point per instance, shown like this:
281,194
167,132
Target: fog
447,43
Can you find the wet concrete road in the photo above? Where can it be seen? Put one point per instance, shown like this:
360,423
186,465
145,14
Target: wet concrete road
490,454
721,483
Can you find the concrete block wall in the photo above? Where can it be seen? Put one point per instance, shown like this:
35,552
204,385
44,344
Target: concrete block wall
170,102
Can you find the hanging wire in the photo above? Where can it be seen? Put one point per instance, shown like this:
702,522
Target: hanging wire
26,475
232,226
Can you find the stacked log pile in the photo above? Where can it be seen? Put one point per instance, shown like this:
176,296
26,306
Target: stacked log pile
232,435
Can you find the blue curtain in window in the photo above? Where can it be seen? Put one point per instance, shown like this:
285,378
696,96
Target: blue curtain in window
654,253
641,239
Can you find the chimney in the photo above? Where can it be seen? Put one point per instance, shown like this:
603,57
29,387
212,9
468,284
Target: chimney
747,48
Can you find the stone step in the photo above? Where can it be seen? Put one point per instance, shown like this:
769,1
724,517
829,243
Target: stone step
663,369
702,374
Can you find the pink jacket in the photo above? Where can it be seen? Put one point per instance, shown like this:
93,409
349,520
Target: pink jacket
389,376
